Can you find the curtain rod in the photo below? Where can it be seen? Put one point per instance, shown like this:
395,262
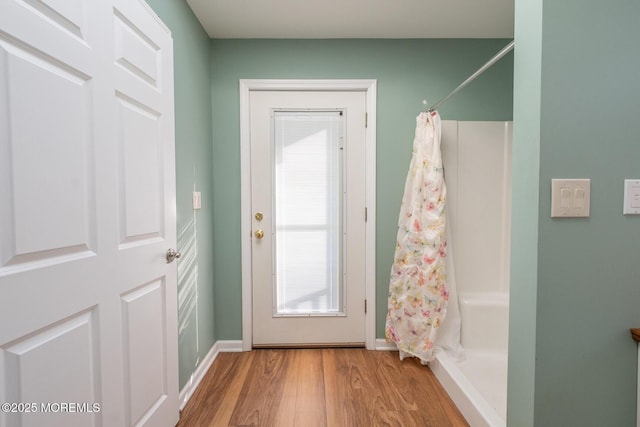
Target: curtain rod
508,48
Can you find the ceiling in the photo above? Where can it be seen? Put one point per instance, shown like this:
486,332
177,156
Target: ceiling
309,19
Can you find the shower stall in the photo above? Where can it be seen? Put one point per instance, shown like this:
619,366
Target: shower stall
477,162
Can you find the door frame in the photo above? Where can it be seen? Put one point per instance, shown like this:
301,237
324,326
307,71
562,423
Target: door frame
365,85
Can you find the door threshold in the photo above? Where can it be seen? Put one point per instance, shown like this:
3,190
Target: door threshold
310,345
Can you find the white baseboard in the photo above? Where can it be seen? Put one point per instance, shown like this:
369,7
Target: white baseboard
197,375
383,345
229,346
190,387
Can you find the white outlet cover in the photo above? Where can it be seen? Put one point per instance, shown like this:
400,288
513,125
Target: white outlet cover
197,200
570,198
631,197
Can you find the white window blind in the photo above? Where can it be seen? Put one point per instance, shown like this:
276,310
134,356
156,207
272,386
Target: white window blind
308,201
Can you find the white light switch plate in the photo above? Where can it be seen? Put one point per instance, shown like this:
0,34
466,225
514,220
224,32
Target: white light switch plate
197,200
631,197
570,198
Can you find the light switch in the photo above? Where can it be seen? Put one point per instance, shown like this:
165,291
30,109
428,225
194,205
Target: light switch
578,199
197,200
635,198
565,198
631,197
570,198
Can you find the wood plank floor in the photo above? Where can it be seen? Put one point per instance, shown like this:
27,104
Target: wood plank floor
319,387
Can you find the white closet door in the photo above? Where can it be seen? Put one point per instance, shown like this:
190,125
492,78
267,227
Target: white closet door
88,314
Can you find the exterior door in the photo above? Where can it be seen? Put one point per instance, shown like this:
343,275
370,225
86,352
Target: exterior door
308,216
88,317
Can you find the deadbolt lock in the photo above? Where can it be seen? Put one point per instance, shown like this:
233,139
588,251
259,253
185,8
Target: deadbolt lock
259,216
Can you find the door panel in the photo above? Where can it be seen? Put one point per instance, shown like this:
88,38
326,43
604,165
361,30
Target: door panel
58,150
271,325
28,358
135,51
87,195
61,162
139,171
143,314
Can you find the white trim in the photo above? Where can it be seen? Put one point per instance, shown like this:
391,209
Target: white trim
245,215
302,85
368,86
370,231
229,346
197,376
383,345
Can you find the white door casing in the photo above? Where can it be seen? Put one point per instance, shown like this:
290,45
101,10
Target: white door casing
253,89
87,211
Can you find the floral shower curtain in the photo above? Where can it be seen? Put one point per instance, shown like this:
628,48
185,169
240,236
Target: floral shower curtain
418,291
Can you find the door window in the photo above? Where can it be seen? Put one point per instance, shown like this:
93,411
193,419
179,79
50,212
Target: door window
309,212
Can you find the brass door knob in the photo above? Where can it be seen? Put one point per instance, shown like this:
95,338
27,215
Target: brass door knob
259,234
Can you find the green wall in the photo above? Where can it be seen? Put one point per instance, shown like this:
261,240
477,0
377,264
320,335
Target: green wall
587,270
407,71
193,170
524,213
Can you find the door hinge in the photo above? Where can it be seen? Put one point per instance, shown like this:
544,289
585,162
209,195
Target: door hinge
365,306
366,119
365,214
